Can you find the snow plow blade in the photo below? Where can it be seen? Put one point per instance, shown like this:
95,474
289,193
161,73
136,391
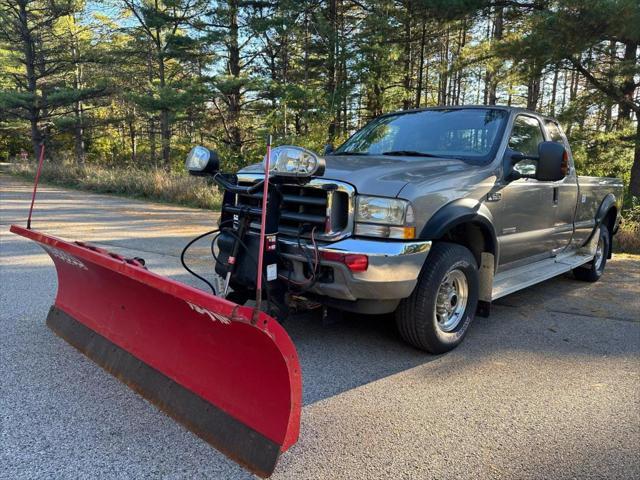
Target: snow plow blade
233,381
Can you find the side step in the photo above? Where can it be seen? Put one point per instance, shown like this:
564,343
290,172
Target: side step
523,277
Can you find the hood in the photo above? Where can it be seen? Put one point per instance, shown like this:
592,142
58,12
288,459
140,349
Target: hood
383,175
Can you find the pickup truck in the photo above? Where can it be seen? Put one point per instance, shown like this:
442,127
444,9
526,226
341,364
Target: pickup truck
434,213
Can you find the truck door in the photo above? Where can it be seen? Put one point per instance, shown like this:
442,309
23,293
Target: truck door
565,193
526,225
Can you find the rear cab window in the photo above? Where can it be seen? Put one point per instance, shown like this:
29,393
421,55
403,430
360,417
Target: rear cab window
525,136
557,135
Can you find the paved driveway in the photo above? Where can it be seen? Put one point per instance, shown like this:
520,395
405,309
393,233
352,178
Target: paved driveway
548,387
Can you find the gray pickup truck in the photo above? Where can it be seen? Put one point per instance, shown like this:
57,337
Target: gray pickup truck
434,213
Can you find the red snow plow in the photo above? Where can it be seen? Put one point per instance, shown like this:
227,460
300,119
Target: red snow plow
228,372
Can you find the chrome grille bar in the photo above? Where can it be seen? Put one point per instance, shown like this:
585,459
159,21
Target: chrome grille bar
326,204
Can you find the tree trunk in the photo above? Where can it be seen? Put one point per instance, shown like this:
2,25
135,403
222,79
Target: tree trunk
234,96
629,85
165,124
421,64
78,113
444,71
554,91
331,67
153,149
78,134
634,184
491,79
305,102
133,137
462,40
407,56
29,47
533,87
564,90
78,128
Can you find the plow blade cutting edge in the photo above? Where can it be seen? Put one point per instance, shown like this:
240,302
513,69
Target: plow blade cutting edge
200,358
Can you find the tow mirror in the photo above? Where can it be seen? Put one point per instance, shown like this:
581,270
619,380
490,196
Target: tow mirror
202,161
552,162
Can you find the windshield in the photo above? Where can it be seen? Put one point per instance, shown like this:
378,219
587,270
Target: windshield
466,133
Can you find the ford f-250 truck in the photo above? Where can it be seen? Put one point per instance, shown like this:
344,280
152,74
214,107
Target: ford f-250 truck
434,213
431,214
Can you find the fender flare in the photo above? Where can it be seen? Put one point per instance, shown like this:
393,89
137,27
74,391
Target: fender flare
464,210
608,202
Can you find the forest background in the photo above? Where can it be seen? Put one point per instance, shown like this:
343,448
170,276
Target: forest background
118,91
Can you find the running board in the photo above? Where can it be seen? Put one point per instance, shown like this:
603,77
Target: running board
522,277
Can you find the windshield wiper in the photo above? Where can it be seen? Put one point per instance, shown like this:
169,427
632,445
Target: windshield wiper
350,153
409,153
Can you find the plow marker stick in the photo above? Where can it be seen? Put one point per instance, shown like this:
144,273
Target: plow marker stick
200,358
263,222
35,184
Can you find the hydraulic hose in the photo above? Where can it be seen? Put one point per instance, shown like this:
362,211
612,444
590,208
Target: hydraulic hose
191,242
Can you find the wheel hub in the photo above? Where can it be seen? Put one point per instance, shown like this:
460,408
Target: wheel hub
597,260
451,301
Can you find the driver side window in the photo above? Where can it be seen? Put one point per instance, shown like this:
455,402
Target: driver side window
525,137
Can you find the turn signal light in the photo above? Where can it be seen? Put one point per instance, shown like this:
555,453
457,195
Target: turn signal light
385,231
565,163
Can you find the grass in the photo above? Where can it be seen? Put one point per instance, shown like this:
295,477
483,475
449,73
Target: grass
182,189
153,184
627,239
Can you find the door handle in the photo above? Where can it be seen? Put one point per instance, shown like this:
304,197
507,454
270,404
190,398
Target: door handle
555,195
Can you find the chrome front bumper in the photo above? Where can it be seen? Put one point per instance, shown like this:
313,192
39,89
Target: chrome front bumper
392,273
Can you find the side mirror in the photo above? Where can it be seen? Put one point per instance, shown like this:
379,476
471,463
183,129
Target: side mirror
552,162
201,161
328,149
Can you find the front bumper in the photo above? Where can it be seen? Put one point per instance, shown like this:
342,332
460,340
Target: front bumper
392,273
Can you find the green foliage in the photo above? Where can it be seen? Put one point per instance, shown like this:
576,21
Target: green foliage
139,84
604,154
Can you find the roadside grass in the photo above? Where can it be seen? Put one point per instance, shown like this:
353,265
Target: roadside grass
627,239
153,184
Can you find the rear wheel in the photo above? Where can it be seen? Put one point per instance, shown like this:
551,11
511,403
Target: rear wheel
592,271
438,313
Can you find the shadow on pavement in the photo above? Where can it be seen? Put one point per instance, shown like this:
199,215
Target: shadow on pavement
358,349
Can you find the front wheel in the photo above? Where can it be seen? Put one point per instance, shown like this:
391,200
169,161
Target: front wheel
438,313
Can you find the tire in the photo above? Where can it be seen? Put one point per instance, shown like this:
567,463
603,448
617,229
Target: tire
592,271
423,319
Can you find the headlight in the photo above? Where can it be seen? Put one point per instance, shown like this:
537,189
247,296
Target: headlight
387,211
384,217
290,161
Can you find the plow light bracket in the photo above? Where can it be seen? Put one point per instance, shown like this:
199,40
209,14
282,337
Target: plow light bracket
201,161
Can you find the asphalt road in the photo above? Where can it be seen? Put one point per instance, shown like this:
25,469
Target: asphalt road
547,387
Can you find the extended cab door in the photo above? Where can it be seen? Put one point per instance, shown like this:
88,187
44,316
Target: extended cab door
566,193
528,210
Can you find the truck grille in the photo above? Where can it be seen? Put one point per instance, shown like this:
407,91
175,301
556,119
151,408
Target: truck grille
323,204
